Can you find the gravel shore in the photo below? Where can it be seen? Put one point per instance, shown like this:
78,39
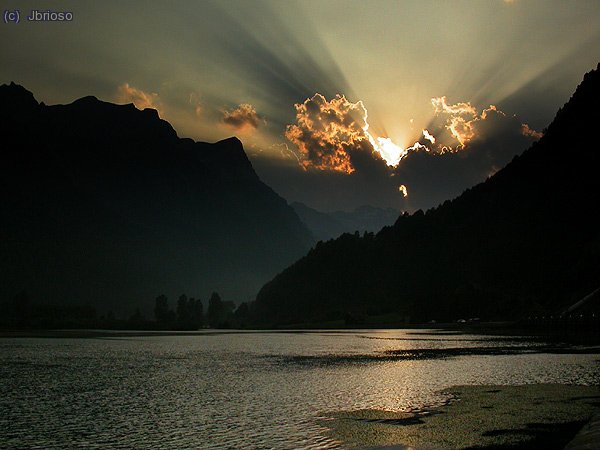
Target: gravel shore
537,416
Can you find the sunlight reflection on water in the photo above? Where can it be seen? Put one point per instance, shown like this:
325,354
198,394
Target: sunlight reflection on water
240,389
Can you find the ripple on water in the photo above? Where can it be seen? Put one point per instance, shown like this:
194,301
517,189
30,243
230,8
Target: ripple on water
243,390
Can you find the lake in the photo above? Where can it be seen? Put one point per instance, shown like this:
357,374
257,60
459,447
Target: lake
248,389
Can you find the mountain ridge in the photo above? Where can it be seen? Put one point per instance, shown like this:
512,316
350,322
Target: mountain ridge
329,225
105,204
516,244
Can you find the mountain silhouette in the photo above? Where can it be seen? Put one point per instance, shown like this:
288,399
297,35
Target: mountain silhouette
328,225
104,204
527,240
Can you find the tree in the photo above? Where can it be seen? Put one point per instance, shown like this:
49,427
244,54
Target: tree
182,311
216,310
136,320
136,316
242,315
161,309
243,311
196,311
22,308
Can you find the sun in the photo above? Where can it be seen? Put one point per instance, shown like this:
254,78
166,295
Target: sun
390,152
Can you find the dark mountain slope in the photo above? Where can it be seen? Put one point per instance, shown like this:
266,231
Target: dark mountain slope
104,204
526,240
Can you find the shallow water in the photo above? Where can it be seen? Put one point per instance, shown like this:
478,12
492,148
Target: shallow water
220,390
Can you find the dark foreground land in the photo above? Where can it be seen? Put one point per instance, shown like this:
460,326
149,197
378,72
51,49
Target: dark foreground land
537,416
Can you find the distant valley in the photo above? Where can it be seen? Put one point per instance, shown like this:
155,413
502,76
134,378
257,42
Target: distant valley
329,225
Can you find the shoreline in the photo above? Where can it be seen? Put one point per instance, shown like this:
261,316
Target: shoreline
536,416
516,417
551,343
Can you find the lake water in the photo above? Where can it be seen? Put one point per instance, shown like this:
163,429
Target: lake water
248,390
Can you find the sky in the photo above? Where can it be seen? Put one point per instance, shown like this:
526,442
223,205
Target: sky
400,104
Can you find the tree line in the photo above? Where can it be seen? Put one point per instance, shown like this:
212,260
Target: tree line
188,314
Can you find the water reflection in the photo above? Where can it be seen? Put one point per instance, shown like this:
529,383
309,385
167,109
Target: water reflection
215,390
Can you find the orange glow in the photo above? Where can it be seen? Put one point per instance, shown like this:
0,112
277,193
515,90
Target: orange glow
461,129
460,120
526,130
141,99
327,130
242,118
441,105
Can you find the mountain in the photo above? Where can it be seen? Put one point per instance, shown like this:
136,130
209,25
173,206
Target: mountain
104,204
527,240
328,225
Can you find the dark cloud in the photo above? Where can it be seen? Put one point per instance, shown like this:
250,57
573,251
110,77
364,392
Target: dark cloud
330,191
435,176
244,117
341,165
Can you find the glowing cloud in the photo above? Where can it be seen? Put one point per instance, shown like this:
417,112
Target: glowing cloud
465,123
242,118
427,135
526,130
329,132
460,118
334,135
141,99
441,105
492,108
